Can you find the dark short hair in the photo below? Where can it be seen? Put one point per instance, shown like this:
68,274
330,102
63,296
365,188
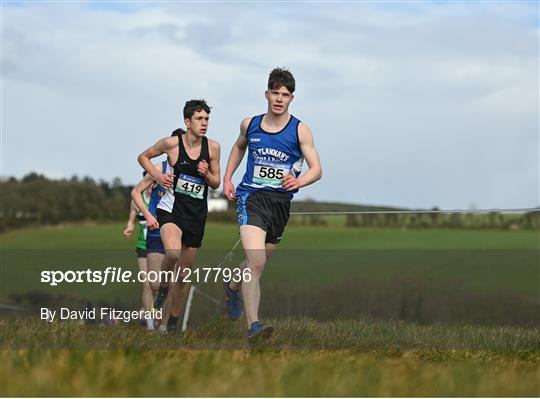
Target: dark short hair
281,77
178,132
193,106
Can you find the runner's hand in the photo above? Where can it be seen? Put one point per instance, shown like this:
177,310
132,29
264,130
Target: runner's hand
290,183
228,190
128,231
202,168
165,179
152,223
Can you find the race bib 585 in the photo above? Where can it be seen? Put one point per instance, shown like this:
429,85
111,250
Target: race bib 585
269,173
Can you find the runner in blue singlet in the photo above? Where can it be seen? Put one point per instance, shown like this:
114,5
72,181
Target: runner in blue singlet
277,144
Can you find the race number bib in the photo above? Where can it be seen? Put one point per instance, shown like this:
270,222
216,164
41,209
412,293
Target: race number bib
268,173
190,185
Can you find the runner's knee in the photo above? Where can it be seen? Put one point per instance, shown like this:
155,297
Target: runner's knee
173,255
257,266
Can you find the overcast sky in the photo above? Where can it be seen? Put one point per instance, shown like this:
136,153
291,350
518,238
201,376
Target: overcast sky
411,104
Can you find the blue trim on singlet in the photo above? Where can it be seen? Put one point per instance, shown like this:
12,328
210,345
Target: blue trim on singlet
273,155
157,192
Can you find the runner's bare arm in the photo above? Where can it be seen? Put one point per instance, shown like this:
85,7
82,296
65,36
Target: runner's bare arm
136,196
314,172
238,151
131,220
211,172
163,146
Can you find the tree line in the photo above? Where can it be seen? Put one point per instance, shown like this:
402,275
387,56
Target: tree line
37,200
492,220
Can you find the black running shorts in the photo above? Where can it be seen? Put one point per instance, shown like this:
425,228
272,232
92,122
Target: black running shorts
141,252
268,210
192,229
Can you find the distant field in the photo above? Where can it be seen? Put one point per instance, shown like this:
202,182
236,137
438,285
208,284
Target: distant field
336,253
420,275
223,236
308,256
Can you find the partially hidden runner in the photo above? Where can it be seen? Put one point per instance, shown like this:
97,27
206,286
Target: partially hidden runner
136,214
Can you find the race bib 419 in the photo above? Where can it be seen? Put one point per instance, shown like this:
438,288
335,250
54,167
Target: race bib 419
190,185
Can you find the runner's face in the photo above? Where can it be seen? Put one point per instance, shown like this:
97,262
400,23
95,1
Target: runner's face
278,100
198,124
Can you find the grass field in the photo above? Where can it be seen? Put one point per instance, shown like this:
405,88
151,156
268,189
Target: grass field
307,357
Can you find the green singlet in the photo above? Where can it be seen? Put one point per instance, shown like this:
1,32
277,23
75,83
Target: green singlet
141,239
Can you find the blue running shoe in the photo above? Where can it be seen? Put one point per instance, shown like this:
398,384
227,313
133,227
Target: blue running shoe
234,302
257,329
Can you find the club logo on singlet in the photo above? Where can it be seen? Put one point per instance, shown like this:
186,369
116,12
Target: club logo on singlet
190,185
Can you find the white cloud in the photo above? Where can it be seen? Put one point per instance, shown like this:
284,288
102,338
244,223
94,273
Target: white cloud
413,105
